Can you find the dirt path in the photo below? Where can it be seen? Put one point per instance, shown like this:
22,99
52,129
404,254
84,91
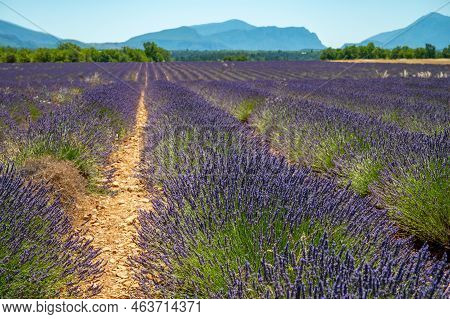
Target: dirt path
111,219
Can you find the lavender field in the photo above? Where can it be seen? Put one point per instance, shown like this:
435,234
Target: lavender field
224,180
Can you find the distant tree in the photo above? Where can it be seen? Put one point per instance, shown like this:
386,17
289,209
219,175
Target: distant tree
155,53
446,52
11,58
24,56
150,49
42,55
379,53
90,55
240,57
370,51
420,53
68,46
430,51
220,55
135,55
328,54
351,52
68,52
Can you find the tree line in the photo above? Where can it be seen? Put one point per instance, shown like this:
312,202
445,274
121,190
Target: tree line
370,51
151,52
243,55
69,52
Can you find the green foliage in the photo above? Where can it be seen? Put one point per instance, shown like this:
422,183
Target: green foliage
364,173
326,152
446,52
295,152
369,51
10,58
155,53
69,149
69,52
18,273
171,150
35,112
42,55
430,51
264,121
114,119
238,55
237,242
392,116
243,111
329,148
420,203
23,112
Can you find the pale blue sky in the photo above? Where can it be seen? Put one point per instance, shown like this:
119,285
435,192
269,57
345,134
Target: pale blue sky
335,22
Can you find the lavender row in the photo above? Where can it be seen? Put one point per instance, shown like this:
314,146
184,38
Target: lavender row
291,70
60,74
414,104
40,255
235,221
80,126
405,171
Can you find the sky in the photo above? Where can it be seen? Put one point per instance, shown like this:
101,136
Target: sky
335,22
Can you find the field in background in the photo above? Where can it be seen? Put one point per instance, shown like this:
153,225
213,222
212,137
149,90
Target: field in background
403,61
255,179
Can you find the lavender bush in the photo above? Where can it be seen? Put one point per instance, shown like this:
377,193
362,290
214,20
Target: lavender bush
402,169
40,254
70,113
238,222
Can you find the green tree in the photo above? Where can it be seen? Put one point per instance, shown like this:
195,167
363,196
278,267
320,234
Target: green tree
11,58
370,53
24,56
420,53
430,51
328,54
42,55
155,53
446,52
351,52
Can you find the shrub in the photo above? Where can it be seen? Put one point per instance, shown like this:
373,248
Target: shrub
40,254
419,199
242,223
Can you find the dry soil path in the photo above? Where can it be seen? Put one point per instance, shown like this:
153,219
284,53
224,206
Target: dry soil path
111,219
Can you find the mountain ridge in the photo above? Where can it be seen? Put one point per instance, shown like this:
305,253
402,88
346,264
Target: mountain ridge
236,34
432,28
227,35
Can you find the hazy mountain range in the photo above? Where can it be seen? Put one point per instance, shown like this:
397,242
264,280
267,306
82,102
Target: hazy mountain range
433,28
239,35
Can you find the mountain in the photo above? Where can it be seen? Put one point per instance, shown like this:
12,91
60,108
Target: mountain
269,38
235,34
176,39
17,36
212,28
231,34
432,28
228,35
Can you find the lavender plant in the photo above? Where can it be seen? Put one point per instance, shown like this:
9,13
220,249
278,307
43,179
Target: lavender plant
41,256
352,140
238,222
